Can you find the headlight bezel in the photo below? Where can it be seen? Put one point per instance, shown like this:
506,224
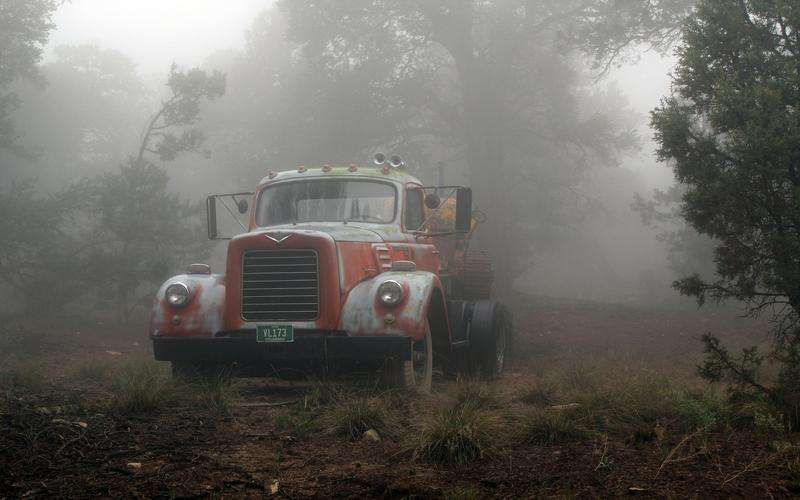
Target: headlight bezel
396,289
186,293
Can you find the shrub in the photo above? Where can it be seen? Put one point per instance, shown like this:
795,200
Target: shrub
543,427
141,386
454,436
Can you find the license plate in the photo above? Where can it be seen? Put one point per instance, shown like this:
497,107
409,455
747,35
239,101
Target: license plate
275,333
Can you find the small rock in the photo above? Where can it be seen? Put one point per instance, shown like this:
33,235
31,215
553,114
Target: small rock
372,435
135,465
273,487
82,425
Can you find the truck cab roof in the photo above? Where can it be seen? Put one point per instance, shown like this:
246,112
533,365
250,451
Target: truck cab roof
391,174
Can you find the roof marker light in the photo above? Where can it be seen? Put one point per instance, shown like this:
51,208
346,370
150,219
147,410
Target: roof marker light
386,169
326,168
353,167
301,169
272,174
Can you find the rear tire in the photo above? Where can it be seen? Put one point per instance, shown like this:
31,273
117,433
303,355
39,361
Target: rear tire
490,338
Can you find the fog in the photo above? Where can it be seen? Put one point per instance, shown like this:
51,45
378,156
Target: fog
591,245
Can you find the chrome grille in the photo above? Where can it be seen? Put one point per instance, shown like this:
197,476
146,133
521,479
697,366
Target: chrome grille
280,285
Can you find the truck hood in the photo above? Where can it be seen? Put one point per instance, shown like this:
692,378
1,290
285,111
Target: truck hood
341,232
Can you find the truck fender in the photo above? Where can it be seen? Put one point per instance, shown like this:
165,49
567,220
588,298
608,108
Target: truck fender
364,314
202,316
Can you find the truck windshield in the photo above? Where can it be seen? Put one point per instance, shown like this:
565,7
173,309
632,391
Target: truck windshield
326,200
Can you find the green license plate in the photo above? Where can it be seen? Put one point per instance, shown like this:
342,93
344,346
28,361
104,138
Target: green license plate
275,333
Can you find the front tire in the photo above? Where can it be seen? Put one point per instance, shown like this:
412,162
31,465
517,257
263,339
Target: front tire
416,373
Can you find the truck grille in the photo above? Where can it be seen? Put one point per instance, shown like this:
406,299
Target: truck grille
280,285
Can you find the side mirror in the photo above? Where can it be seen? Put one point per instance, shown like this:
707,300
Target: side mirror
432,201
463,210
222,219
211,217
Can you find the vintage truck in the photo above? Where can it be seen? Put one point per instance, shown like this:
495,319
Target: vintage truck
339,268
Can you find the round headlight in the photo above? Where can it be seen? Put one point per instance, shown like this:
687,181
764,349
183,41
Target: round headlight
390,293
177,295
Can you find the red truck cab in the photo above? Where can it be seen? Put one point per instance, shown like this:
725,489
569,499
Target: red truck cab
339,267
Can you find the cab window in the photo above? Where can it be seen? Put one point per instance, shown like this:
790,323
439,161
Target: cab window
414,212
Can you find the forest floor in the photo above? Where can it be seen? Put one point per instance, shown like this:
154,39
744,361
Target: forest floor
601,400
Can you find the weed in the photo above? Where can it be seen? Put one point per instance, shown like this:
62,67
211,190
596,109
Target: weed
543,427
141,386
454,436
703,411
475,394
351,416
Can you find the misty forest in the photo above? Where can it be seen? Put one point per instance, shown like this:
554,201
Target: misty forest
399,248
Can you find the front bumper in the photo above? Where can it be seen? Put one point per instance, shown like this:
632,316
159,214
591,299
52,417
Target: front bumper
306,348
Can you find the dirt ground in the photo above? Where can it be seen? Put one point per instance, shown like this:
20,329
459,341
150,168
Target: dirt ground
63,441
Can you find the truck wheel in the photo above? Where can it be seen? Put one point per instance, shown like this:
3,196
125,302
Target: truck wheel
490,338
416,373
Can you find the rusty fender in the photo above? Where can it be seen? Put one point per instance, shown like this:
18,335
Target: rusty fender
202,316
364,314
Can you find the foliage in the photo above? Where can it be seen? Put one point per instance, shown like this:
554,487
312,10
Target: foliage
24,29
689,252
731,135
44,252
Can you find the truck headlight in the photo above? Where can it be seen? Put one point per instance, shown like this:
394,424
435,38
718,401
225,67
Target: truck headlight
177,294
390,293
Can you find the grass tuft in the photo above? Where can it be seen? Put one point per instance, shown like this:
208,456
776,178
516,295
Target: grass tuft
142,386
476,394
455,436
93,370
350,416
545,428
